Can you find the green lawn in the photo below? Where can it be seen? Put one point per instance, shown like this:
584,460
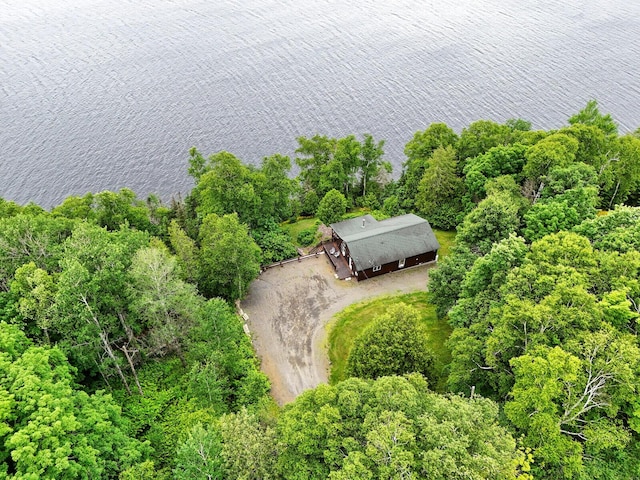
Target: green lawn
446,240
293,229
347,325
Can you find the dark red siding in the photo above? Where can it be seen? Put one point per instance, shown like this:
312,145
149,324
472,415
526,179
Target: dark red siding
393,266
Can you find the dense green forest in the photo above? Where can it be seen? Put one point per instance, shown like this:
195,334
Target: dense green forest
122,356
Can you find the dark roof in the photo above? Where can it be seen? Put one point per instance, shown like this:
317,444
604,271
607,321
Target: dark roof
393,239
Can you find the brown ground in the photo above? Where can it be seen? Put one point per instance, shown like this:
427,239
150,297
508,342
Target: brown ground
288,308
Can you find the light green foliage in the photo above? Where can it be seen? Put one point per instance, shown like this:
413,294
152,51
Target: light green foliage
418,152
426,142
394,344
481,283
141,471
222,375
594,145
622,240
480,291
562,212
332,207
556,150
226,187
620,175
563,252
27,238
36,291
76,207
186,252
164,303
540,318
219,344
115,209
229,257
315,154
9,208
371,163
590,115
340,172
440,192
197,164
542,300
337,164
91,302
617,230
33,209
552,335
567,402
482,135
49,428
249,446
392,428
495,218
275,188
518,124
561,179
198,457
502,160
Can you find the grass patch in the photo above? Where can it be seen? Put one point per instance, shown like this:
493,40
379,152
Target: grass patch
350,322
446,240
293,229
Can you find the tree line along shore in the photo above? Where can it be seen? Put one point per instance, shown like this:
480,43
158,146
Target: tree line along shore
121,355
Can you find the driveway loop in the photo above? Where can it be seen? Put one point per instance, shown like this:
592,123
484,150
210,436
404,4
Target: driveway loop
289,307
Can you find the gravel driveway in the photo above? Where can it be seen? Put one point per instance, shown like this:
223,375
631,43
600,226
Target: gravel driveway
288,308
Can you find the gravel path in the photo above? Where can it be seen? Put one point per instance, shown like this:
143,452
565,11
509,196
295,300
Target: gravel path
288,308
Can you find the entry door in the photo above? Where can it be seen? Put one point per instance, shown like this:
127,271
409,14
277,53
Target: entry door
401,263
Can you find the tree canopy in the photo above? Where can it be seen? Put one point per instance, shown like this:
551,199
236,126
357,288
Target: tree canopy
393,427
394,344
122,355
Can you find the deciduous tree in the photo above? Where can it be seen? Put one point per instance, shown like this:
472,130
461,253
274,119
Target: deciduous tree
494,219
590,115
51,429
229,257
394,344
392,428
332,207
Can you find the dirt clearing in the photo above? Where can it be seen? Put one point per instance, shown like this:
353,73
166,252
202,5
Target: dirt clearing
288,308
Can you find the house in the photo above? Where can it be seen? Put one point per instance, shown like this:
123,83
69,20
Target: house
366,247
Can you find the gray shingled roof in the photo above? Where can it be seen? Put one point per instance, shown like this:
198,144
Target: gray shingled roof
386,241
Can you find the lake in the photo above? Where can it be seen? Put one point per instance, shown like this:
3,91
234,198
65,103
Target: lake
104,94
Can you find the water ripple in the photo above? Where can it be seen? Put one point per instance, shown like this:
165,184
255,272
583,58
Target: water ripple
98,94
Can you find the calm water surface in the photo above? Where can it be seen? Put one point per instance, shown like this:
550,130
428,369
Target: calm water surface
102,94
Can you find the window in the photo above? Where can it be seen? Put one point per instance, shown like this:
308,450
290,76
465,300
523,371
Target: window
401,263
377,268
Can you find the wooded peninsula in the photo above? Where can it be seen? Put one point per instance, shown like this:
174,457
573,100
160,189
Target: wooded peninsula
122,355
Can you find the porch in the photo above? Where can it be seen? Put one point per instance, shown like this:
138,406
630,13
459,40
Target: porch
339,262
